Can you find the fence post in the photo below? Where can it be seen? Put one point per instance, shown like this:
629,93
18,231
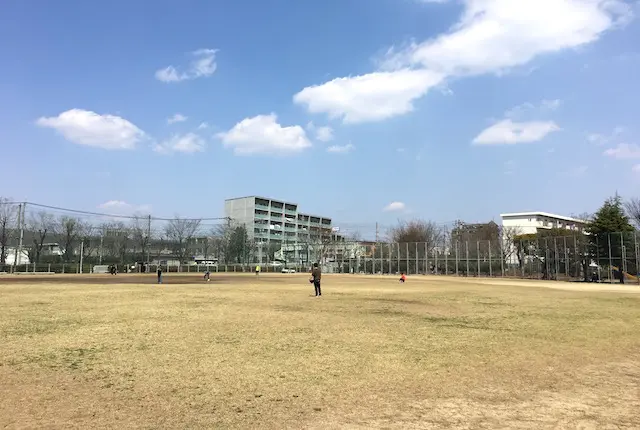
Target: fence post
457,256
610,259
446,255
49,268
467,256
490,264
478,257
417,266
406,256
502,255
623,255
637,251
566,258
426,258
436,260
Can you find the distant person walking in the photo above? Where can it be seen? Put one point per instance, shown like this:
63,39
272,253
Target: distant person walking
316,275
257,270
159,275
402,278
207,275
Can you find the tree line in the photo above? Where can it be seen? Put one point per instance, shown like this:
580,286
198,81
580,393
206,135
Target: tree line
133,239
611,239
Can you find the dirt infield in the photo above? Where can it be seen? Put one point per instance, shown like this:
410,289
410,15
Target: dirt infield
358,281
126,278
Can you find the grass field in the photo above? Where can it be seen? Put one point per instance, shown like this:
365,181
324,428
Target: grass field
260,352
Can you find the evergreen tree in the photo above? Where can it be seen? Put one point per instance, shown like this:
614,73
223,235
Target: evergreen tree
610,231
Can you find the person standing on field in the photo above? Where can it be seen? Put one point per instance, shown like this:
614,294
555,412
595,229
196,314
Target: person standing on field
316,274
159,275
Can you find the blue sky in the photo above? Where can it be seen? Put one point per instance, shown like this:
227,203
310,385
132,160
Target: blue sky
362,111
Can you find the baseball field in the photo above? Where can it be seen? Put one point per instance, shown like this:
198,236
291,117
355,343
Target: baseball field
261,352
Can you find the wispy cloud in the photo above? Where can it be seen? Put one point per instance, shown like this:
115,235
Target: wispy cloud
508,132
176,118
338,149
202,65
395,207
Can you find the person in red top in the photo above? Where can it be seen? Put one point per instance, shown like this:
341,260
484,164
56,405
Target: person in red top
402,278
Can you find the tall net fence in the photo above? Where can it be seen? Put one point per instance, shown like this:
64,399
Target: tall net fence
36,238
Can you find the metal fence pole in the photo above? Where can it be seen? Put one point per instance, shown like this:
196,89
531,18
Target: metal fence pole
637,251
417,266
446,257
502,257
566,258
457,258
406,256
610,259
623,254
478,256
467,256
436,260
426,258
555,256
490,268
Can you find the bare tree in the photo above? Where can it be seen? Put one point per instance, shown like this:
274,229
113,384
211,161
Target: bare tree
141,235
417,231
219,243
117,240
87,236
68,229
41,225
8,218
632,208
507,242
180,232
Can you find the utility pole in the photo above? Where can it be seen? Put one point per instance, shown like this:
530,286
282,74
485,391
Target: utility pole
148,241
18,252
81,254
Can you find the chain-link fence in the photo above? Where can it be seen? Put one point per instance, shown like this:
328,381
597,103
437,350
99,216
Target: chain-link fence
44,239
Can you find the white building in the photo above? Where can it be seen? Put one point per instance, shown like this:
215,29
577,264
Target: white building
532,222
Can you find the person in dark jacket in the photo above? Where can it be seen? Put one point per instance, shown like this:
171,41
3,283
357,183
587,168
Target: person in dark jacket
159,275
316,274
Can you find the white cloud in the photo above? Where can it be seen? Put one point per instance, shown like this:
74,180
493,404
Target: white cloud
203,125
323,134
371,97
176,118
337,149
203,65
119,207
636,169
263,135
529,109
395,207
492,36
185,143
624,151
507,132
495,35
604,139
551,104
88,128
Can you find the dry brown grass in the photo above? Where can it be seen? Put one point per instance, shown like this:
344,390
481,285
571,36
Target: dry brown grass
263,353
